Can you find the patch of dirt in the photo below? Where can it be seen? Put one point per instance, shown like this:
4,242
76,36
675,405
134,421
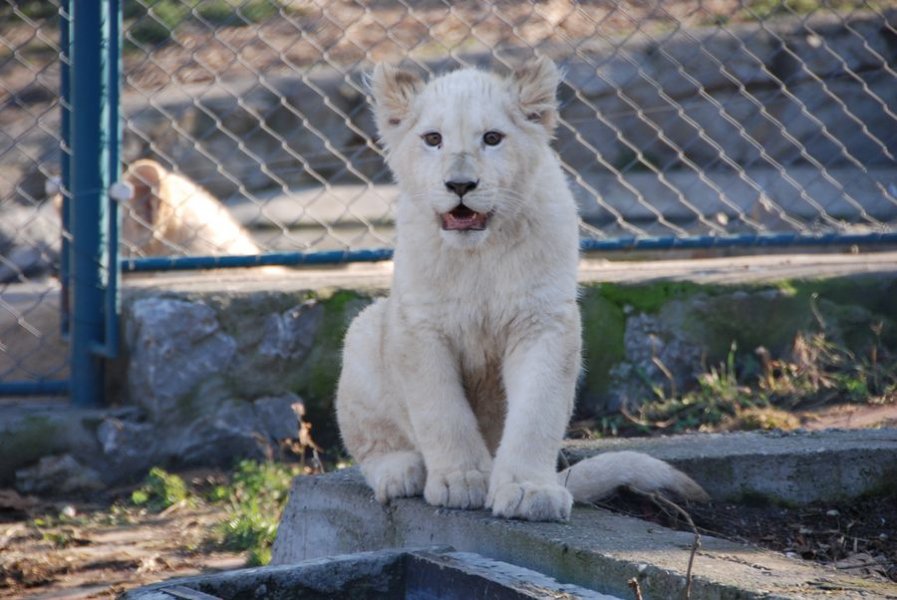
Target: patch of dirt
850,416
97,551
858,537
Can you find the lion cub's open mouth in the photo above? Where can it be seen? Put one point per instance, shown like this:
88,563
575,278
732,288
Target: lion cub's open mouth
462,218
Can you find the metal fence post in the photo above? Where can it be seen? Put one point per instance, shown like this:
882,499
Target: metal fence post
113,69
65,156
91,139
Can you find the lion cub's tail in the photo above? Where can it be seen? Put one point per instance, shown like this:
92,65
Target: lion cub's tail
597,477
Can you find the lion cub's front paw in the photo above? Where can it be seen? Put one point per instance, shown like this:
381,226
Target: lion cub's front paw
530,501
456,489
395,475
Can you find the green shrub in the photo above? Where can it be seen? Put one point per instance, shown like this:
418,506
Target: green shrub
257,495
160,490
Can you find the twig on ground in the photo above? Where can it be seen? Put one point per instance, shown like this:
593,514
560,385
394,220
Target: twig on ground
663,501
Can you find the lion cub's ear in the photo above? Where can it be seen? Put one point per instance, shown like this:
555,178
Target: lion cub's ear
393,90
146,177
535,84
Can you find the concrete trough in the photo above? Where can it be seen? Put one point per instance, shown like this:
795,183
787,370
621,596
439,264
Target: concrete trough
388,574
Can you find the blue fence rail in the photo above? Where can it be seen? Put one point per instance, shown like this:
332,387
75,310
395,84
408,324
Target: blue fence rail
763,126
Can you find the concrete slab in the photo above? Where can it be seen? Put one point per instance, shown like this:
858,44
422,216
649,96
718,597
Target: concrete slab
377,276
791,468
597,549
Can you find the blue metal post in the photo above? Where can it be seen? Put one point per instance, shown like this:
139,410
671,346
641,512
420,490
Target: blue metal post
109,348
91,139
65,149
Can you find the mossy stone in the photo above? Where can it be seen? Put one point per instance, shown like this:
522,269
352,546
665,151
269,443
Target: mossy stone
649,297
317,377
769,318
603,326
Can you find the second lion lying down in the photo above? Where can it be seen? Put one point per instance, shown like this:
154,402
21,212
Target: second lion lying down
460,384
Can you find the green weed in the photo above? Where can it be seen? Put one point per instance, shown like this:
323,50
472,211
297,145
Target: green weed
822,372
160,490
256,497
743,394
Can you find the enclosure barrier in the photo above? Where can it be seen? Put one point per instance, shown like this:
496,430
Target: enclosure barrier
683,125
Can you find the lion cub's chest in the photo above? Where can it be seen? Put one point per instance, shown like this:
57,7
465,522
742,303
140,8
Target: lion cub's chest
481,350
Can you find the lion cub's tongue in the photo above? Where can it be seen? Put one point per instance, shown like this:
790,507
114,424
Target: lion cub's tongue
462,218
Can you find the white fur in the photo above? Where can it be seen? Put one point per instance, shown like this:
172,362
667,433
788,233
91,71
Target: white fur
461,383
170,214
599,476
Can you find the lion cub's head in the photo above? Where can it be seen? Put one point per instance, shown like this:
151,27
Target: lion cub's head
465,147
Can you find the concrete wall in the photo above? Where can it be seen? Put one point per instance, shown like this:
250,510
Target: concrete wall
216,367
193,356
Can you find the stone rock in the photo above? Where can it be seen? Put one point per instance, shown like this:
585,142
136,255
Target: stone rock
767,317
290,335
277,416
656,357
218,438
58,475
274,336
128,443
176,346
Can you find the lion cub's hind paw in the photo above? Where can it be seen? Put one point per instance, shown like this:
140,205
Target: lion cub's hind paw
396,475
531,501
457,489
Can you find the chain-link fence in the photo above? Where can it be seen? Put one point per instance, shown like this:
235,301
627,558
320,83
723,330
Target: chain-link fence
246,127
31,348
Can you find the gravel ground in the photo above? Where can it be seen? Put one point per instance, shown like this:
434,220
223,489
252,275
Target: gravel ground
98,552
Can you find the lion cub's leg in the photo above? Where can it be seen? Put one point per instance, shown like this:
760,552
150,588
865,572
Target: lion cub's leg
371,423
540,379
442,420
404,416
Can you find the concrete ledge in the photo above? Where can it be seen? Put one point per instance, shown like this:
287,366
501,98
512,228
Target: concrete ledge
789,468
597,549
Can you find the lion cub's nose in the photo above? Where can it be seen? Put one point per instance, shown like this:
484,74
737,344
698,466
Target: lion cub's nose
461,187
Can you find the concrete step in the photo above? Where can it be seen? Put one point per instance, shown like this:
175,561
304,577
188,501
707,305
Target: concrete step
601,550
787,468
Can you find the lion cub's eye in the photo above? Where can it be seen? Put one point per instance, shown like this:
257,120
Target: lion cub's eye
493,138
432,138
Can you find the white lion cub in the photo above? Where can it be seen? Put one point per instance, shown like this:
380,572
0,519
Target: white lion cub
461,383
170,214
